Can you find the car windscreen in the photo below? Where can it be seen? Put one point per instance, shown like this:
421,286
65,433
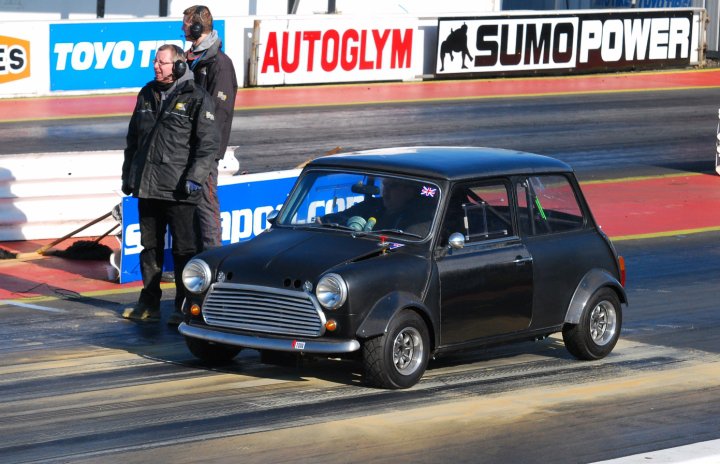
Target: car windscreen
362,202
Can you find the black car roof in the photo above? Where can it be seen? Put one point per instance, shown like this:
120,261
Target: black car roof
451,163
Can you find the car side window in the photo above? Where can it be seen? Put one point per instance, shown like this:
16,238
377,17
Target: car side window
547,204
479,212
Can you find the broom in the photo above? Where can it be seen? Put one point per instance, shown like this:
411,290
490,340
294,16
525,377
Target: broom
81,250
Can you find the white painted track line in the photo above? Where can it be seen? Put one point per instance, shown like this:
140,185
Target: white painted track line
706,452
31,306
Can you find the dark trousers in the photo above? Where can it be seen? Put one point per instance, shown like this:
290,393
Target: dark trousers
155,216
208,229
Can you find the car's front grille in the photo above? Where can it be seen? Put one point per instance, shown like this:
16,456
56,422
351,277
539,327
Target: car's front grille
263,309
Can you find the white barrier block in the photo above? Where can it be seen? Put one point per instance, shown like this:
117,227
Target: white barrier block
48,195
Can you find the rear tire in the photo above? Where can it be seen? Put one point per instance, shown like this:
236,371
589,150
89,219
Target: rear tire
595,336
210,352
398,358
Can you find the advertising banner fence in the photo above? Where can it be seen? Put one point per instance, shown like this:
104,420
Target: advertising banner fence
94,56
23,48
244,208
569,42
308,51
110,55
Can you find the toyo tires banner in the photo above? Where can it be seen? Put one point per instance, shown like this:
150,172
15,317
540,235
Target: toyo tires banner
568,42
110,55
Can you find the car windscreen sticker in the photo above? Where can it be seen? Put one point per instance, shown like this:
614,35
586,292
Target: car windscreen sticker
428,191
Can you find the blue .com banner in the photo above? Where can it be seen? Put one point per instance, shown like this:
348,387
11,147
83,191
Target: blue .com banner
244,208
100,56
599,4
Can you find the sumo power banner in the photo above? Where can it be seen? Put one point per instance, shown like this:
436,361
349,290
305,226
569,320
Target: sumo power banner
244,207
110,55
568,42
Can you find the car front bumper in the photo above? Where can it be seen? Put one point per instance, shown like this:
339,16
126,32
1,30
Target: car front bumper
298,345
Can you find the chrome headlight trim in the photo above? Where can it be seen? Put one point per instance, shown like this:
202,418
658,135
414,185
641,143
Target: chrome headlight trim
196,276
331,291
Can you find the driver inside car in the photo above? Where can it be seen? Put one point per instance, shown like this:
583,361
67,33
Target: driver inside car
399,208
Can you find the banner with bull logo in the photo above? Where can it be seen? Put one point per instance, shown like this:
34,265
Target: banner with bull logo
568,42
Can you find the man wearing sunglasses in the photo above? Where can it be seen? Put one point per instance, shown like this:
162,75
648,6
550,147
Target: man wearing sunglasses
171,142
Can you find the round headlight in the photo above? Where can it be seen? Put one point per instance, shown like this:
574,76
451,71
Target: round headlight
331,291
196,276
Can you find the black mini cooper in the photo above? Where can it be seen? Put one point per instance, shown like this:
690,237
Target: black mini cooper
396,255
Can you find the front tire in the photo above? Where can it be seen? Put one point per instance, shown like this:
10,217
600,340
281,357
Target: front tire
210,352
595,336
398,358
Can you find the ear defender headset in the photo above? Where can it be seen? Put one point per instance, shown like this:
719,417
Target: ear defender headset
196,28
179,66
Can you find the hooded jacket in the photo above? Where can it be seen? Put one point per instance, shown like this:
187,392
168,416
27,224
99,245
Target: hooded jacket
214,71
172,138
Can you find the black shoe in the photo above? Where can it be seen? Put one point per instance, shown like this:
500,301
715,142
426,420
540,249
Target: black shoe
167,276
142,313
175,319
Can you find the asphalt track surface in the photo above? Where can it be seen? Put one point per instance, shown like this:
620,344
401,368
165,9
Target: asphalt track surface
82,385
640,143
22,109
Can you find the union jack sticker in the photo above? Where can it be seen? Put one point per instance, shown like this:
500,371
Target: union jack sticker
428,191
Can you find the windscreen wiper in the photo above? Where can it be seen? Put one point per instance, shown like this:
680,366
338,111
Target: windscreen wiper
394,231
335,225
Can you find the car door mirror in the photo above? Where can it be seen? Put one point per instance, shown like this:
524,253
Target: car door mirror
272,216
456,241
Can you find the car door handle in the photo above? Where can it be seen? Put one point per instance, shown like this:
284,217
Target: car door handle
519,260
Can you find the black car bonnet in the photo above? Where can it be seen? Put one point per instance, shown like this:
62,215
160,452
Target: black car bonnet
287,258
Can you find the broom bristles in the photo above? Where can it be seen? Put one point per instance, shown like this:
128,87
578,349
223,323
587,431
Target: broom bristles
87,250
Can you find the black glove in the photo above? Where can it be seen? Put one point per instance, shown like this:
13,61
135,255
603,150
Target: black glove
126,189
191,187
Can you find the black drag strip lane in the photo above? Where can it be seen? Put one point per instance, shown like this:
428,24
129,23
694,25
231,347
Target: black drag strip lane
626,133
673,283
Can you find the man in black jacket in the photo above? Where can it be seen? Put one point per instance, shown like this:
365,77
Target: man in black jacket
213,71
172,141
